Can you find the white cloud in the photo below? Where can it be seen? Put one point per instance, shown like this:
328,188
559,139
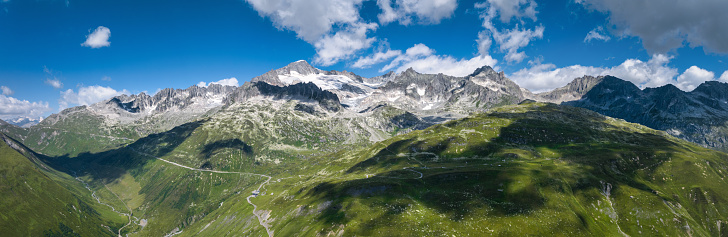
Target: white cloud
653,73
98,38
106,78
11,107
314,21
225,82
667,24
596,34
344,44
724,77
55,83
87,95
508,40
427,11
6,90
484,43
508,9
378,57
51,79
512,40
422,59
543,77
693,77
309,19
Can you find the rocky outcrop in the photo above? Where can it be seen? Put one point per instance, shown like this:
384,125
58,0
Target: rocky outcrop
482,90
301,91
572,91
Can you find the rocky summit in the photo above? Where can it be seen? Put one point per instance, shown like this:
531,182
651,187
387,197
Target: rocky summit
300,151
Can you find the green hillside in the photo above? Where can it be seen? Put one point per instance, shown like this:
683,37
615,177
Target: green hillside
530,169
39,201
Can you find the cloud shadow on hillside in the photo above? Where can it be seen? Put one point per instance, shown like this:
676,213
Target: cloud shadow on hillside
110,165
590,143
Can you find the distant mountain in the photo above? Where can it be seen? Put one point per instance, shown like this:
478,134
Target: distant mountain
572,91
438,93
699,116
120,120
24,122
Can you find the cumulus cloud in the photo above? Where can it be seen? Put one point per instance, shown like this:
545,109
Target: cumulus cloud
314,21
6,90
378,57
667,24
424,60
693,77
309,19
724,77
87,95
11,108
426,11
98,38
509,41
344,44
596,34
225,82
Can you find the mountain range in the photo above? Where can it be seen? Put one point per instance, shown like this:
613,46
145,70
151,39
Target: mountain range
303,151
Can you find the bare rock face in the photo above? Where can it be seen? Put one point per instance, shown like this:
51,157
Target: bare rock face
572,91
301,91
439,93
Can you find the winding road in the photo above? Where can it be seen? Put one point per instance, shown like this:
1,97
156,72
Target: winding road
261,220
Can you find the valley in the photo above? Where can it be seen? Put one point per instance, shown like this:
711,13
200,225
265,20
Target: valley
300,151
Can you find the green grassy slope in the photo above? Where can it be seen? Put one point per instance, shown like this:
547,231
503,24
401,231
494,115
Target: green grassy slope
39,201
244,139
532,169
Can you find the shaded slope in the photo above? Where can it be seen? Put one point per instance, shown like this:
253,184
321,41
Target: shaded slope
38,201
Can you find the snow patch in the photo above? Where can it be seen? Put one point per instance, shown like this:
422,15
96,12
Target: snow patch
325,82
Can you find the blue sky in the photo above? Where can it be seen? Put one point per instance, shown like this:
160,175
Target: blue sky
56,54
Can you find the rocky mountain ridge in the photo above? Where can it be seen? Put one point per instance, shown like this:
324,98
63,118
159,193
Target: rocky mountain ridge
699,116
